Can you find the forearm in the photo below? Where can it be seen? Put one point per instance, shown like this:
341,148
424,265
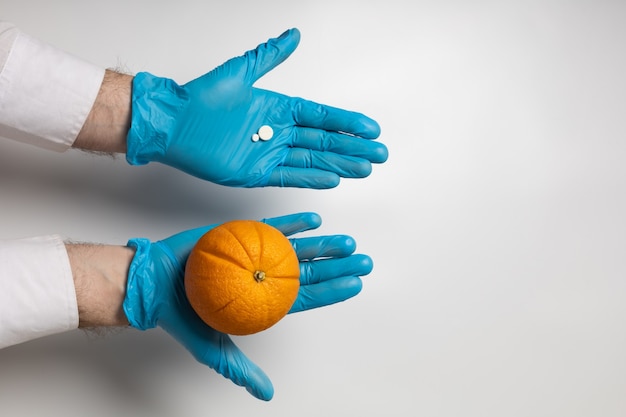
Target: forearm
107,124
100,273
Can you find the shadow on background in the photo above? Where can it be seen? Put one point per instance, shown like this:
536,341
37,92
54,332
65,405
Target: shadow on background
154,190
135,368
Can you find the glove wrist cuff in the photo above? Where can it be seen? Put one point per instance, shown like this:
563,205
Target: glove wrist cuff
156,103
138,301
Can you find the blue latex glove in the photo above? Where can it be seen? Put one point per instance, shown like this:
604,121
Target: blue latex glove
156,295
205,127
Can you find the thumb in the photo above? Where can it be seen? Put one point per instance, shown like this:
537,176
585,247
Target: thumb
230,362
270,54
216,350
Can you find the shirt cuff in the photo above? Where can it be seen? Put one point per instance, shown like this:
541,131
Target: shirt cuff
45,94
37,294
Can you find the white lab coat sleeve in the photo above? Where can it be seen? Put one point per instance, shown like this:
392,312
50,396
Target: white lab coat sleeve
37,295
45,93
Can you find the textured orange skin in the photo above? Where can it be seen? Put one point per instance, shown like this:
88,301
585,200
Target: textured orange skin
220,277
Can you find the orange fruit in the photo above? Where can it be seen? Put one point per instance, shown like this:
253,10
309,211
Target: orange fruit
242,277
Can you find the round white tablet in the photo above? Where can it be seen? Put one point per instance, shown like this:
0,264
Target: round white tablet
266,132
255,138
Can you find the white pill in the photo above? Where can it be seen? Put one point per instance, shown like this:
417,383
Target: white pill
266,132
255,138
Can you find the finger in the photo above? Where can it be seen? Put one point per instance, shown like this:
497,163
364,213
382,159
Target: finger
310,114
302,178
338,246
218,351
235,365
344,166
314,272
326,293
182,243
295,223
270,54
322,140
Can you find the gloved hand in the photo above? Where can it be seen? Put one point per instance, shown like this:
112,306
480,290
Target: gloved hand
156,295
205,127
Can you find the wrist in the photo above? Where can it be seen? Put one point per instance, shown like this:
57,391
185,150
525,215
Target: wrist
141,281
156,106
107,124
100,273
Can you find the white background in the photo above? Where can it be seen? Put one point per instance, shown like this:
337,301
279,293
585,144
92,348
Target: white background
497,226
